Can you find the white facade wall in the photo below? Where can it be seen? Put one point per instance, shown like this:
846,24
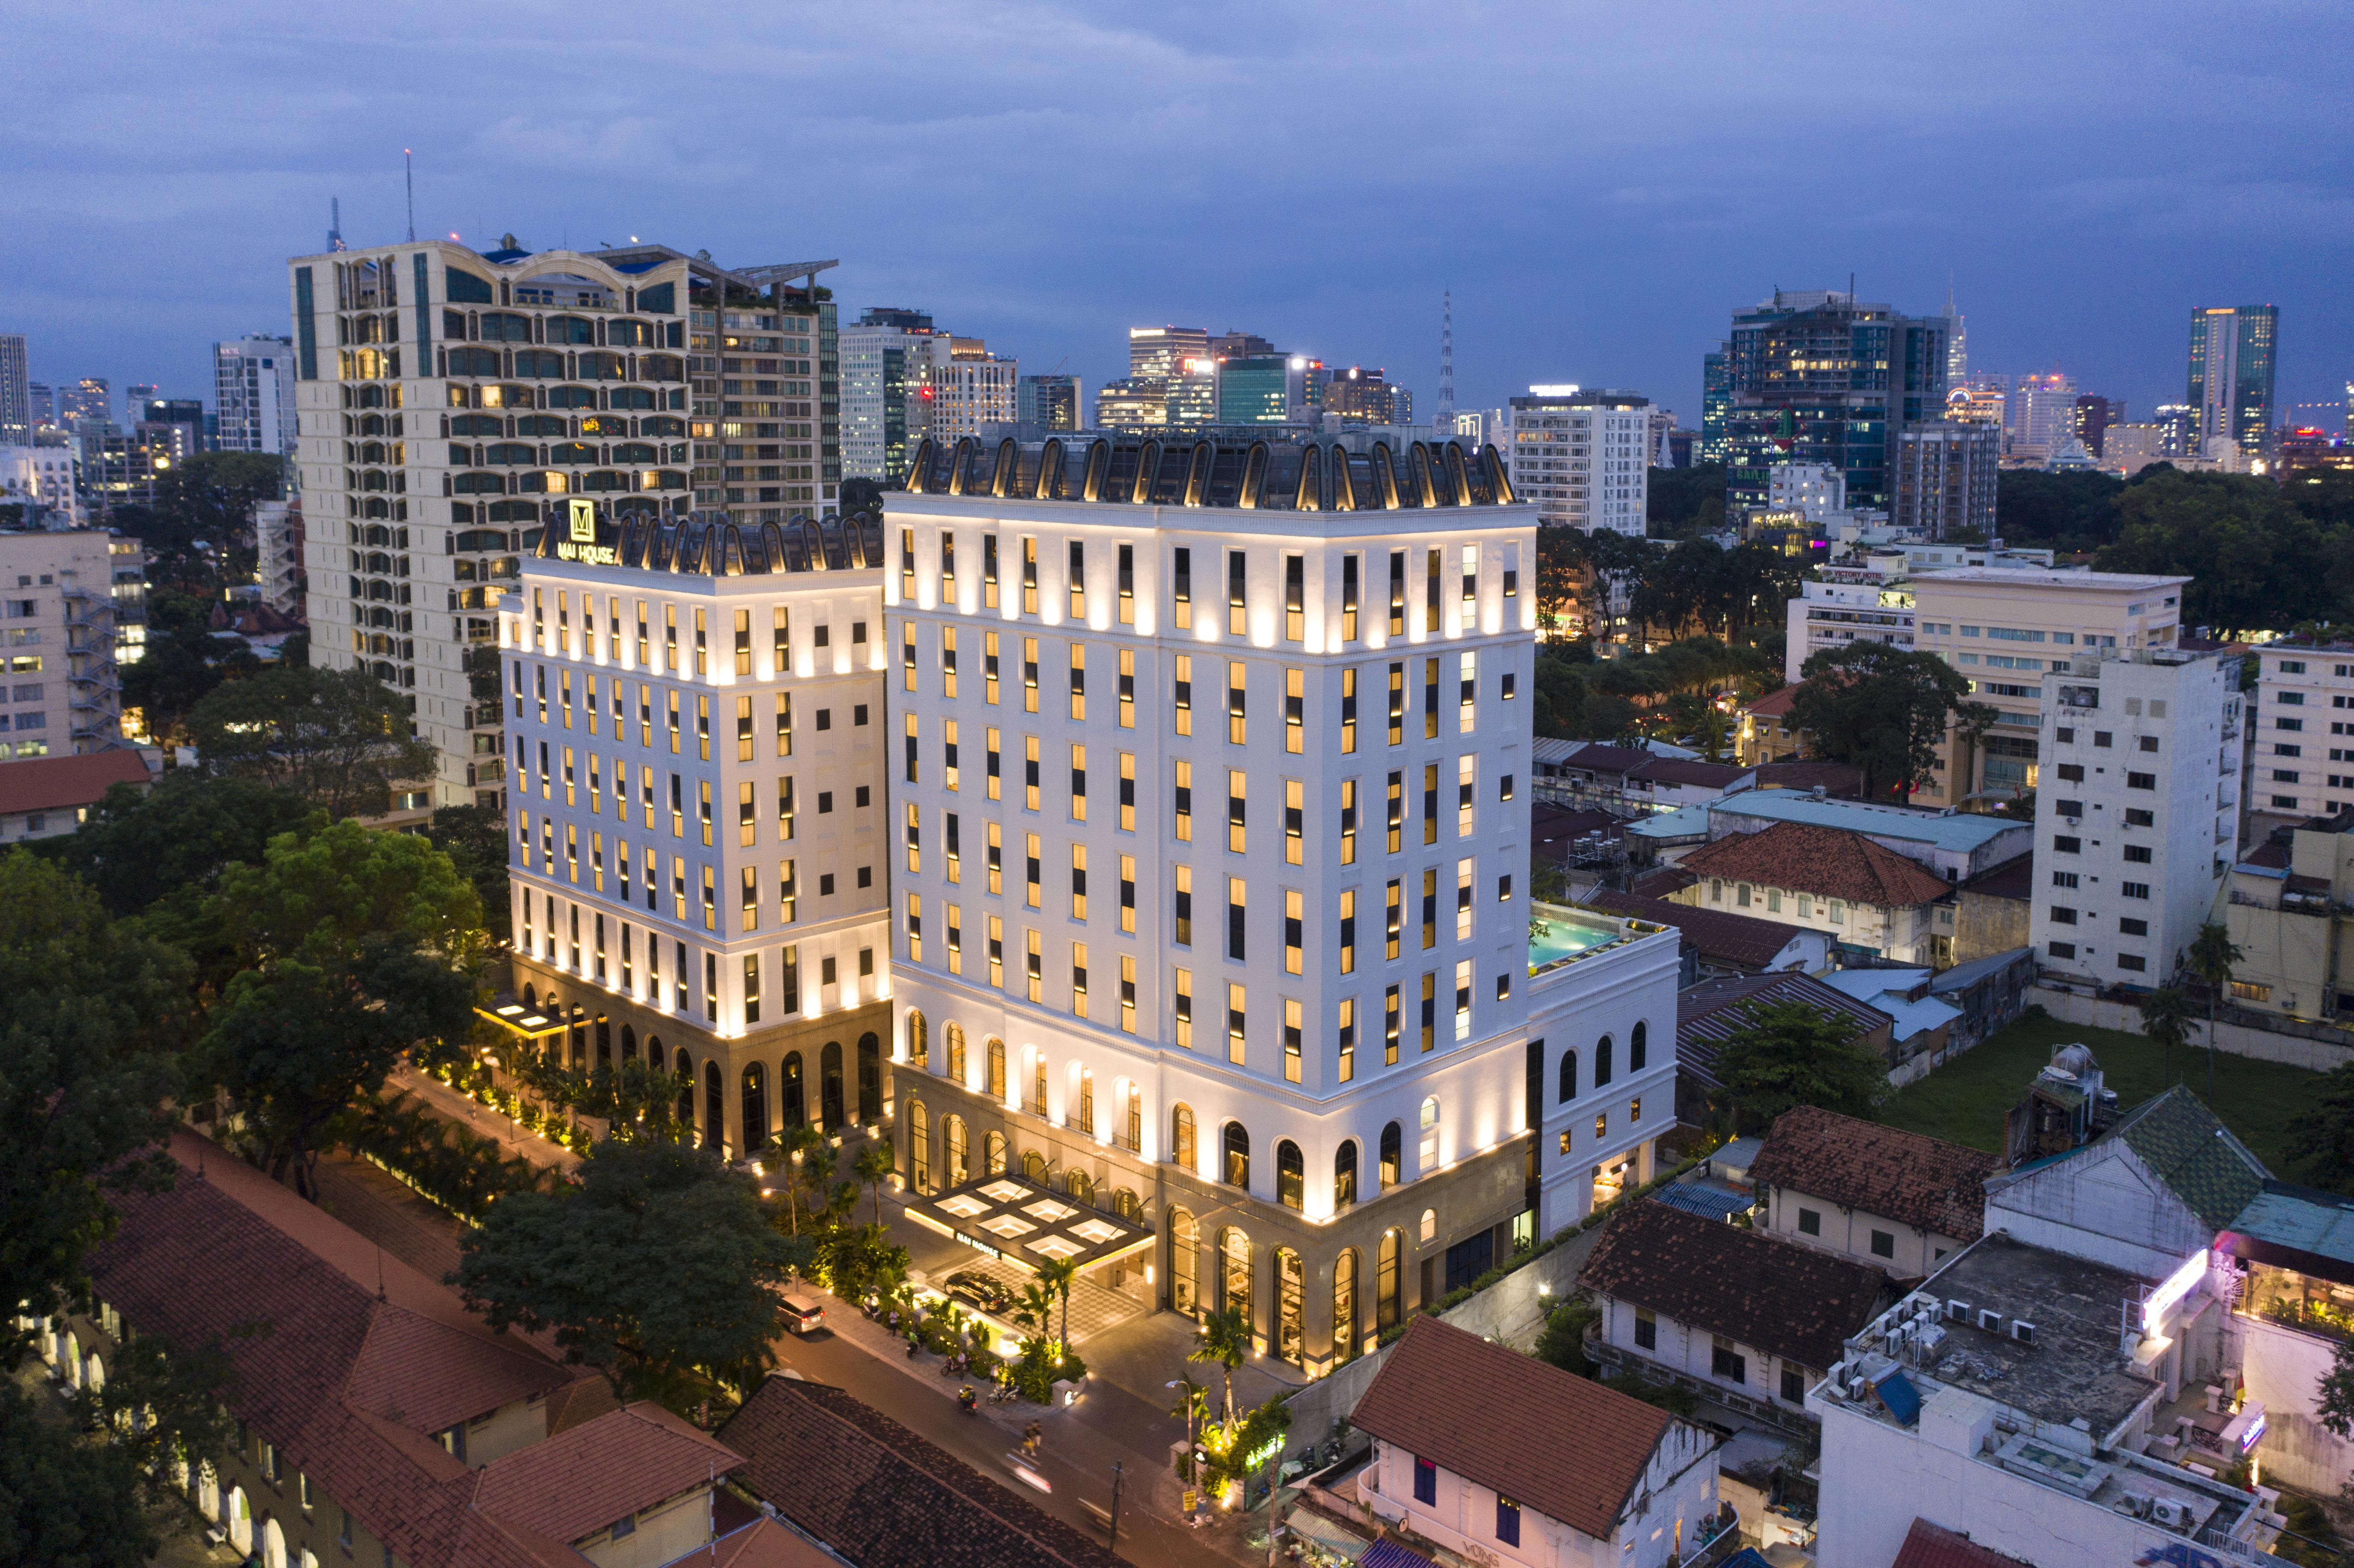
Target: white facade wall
573,827
253,394
1577,1013
1659,1527
62,691
1678,1348
1583,462
2303,715
49,476
2137,818
1914,1253
1827,615
1317,1096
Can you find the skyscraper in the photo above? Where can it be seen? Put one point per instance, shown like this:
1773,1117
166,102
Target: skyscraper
90,401
1050,402
1715,400
15,393
253,394
2232,375
2094,415
2040,417
885,383
968,386
1957,350
135,399
1818,376
1260,389
1161,353
1945,475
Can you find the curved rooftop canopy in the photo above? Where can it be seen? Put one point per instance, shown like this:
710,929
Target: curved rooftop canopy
1314,476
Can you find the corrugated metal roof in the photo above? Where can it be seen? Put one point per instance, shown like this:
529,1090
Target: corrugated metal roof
1705,1199
1683,822
1963,831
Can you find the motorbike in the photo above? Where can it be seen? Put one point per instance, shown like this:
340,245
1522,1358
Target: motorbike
969,1400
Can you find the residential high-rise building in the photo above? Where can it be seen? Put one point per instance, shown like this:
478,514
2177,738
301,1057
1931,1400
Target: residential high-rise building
969,387
1359,394
135,399
15,393
2231,350
253,391
2137,817
1193,396
1811,488
2180,421
2040,416
1164,352
1820,377
42,404
886,391
90,401
1050,402
48,476
2128,448
1580,458
2300,766
2094,418
174,426
700,860
64,694
1189,937
1716,402
1947,472
1957,343
1133,403
1979,401
453,403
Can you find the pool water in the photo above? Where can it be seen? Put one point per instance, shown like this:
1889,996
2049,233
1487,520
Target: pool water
1564,938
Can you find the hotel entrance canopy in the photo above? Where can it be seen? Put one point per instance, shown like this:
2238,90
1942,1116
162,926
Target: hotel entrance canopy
1024,1224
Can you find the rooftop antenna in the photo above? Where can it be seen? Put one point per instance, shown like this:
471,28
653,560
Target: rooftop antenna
1446,357
379,1272
335,223
409,173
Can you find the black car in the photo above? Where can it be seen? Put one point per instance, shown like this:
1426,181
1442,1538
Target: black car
977,1289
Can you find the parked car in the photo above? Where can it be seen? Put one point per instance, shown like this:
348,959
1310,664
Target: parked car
803,1315
977,1289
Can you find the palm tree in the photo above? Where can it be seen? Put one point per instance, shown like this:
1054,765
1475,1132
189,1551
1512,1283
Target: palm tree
1055,1275
2165,1018
795,1146
874,1166
2210,960
1226,1340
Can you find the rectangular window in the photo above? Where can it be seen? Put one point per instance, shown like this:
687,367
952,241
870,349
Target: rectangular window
1292,1040
1389,1029
1508,1513
1078,680
1234,823
1237,617
1029,674
1127,685
1425,1482
949,770
1076,579
1349,931
989,653
1126,585
1181,702
1036,960
915,833
1237,908
1128,892
1079,984
1180,796
1295,924
1294,817
1180,586
1181,991
1295,598
1128,991
1397,593
1127,792
1431,1011
1465,799
1236,729
1182,906
1647,1329
1078,783
1030,579
1463,876
1030,869
1078,881
1349,599
1430,699
1235,1041
1395,917
1430,802
988,574
997,966
1397,819
907,655
1349,710
1030,772
1727,1362
948,661
1398,704
1294,711
1348,822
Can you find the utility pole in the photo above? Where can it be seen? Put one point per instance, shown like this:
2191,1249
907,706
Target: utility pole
1114,1544
1273,1485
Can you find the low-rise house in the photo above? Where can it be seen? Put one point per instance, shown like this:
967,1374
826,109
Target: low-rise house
1738,1318
1713,1012
1725,943
378,1420
2291,914
1818,780
1496,1457
1898,1201
1955,845
47,796
1629,779
1764,734
1923,1037
1863,897
1989,991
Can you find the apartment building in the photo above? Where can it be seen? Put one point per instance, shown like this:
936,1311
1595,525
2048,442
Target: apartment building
2136,815
1583,456
2304,716
1208,833
452,402
886,376
969,387
2006,628
1846,604
696,717
253,394
58,642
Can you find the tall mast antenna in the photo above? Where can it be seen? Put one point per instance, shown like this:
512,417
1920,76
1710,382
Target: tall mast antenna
335,223
409,172
1446,357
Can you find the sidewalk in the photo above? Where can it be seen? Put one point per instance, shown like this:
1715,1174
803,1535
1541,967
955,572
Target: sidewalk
478,1118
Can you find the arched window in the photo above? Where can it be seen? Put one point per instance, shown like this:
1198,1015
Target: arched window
1132,1133
604,1041
918,1039
755,1108
1429,1225
1085,1120
715,1109
1236,1149
530,996
829,1086
997,1071
1181,1139
1184,1261
1082,1191
1033,1167
920,1146
792,1103
1426,1150
685,1070
1124,1204
1392,1155
1637,1047
870,1079
1569,1074
240,1519
1290,1175
1290,1306
1347,1339
952,1150
955,1036
629,1043
1234,1272
992,1154
1344,1174
1389,1298
1602,1061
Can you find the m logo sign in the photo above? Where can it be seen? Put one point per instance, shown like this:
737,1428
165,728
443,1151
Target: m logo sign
584,520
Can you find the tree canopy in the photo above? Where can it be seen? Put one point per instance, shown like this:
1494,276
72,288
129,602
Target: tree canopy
175,838
340,738
1685,503
1885,710
1787,1054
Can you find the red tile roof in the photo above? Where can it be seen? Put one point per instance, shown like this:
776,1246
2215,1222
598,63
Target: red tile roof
1786,1300
1925,1181
1775,703
1740,939
1690,770
1713,1012
1838,780
1563,1444
56,783
1930,1545
763,1543
623,1462
1831,863
883,1496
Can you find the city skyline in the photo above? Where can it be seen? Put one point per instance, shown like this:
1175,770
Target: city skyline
1679,221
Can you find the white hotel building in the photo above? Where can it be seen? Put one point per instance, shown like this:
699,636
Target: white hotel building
1208,829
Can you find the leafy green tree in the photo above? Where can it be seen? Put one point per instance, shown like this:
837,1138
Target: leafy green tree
2064,511
804,1165
2334,1406
1056,1276
2165,1018
93,1014
2255,561
161,1401
2211,958
67,1500
2321,1136
476,840
1787,1054
1560,556
178,669
140,846
1883,709
1225,1338
874,1165
1675,1401
1561,1342
655,1264
340,738
1685,503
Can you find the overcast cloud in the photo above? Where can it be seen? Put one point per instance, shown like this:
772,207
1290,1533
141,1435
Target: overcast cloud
1598,183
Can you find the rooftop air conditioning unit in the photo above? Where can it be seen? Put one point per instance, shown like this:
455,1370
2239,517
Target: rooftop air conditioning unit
1989,1320
2171,1512
2022,1331
1958,1311
2135,1504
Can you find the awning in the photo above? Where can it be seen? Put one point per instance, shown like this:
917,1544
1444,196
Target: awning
527,1023
1023,1222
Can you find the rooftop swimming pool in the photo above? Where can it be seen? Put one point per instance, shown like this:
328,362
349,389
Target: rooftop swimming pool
1566,936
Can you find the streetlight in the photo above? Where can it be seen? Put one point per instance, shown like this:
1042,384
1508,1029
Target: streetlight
1193,1452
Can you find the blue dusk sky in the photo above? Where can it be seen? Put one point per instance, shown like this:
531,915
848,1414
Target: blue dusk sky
1600,185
